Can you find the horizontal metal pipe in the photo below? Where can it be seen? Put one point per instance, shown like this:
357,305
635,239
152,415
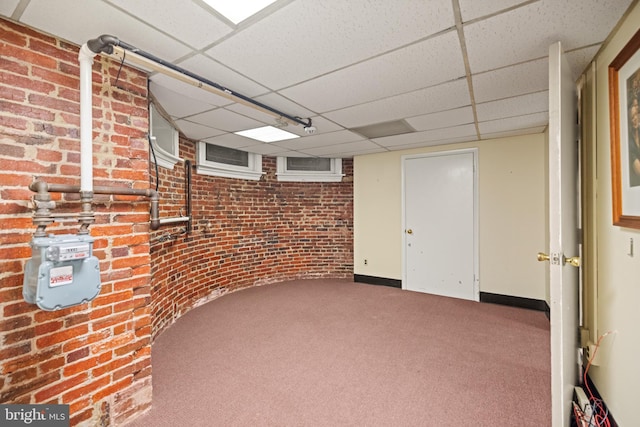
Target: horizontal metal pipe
176,219
42,186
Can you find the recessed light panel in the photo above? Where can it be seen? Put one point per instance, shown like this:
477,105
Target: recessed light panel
237,11
267,134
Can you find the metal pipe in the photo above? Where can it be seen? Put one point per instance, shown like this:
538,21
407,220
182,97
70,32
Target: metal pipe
44,204
44,188
120,50
174,220
187,177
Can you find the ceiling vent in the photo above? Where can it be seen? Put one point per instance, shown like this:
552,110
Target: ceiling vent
378,130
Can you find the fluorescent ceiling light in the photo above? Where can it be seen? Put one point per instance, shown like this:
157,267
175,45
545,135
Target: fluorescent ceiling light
267,134
237,11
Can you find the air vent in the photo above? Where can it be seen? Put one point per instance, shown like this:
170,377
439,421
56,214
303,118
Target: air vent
378,130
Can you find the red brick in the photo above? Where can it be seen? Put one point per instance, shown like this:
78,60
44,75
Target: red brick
15,323
77,418
51,364
18,336
61,336
71,369
60,387
20,393
85,390
113,388
112,365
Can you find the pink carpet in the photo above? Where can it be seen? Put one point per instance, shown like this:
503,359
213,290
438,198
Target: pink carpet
338,353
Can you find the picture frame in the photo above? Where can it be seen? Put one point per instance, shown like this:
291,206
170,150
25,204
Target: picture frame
624,114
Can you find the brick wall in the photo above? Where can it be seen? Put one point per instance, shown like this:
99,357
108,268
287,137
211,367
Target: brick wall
94,357
246,233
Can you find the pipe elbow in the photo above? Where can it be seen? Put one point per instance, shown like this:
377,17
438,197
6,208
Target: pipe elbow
39,187
103,43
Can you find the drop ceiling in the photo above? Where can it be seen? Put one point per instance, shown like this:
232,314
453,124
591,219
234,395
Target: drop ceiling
451,70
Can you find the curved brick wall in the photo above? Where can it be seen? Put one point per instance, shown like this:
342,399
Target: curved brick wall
246,233
96,357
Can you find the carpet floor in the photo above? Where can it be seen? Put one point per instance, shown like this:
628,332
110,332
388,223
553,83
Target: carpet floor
339,353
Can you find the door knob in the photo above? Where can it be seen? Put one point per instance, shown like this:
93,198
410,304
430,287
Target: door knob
543,257
409,231
574,261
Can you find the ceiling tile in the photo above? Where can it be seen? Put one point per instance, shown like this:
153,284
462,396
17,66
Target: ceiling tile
511,123
176,104
231,140
442,119
435,143
84,20
512,81
381,77
335,150
579,59
285,105
527,32
225,120
291,50
223,76
442,97
465,131
187,21
516,106
526,131
472,9
360,151
7,7
264,149
197,131
319,140
291,153
321,124
200,96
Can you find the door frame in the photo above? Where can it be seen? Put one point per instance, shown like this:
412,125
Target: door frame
563,235
476,246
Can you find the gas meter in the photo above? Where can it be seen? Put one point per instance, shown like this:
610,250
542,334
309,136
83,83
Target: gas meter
62,272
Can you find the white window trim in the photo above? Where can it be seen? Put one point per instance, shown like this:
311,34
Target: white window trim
160,156
333,175
164,159
207,167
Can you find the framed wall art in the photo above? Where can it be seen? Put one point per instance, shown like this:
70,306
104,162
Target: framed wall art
624,114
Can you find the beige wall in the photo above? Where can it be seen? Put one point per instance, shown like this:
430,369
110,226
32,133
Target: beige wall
618,274
512,214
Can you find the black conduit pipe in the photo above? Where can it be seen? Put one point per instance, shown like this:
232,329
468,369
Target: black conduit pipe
187,177
105,43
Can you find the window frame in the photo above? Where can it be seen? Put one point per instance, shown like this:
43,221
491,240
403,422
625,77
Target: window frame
162,157
207,167
285,175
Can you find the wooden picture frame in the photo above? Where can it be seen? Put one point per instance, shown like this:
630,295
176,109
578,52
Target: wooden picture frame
624,114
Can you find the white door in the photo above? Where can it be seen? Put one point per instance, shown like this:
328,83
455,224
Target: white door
439,194
563,233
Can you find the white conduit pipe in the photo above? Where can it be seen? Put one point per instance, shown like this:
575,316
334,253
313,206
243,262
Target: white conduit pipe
85,57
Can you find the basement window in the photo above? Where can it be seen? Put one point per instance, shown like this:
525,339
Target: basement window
164,137
215,160
309,169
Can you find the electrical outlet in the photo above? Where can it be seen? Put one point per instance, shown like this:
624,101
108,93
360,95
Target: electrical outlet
591,352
